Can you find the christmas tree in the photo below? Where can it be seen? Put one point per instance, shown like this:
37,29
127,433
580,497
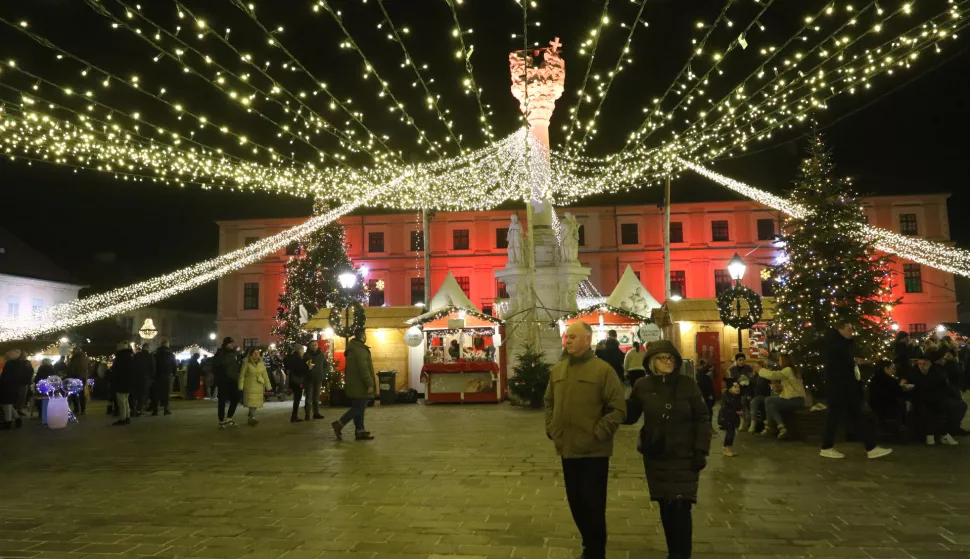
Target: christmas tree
311,280
829,271
528,385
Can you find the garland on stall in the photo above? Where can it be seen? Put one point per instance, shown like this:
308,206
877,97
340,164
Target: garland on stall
445,311
603,308
466,331
336,318
726,306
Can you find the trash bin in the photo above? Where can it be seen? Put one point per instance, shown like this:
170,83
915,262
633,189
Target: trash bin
387,381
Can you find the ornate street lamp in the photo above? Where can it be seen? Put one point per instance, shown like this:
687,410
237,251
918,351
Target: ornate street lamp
736,268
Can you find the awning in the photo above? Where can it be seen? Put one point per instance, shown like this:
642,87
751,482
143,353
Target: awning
377,317
619,316
443,312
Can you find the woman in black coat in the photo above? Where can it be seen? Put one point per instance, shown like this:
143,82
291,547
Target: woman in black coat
675,440
887,396
193,375
122,381
11,379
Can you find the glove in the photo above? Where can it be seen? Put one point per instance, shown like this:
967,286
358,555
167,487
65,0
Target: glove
698,462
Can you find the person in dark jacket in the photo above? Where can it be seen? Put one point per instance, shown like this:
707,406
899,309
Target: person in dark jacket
11,378
938,406
193,376
954,373
166,367
78,367
729,418
844,384
314,381
902,351
225,367
675,440
122,376
705,381
143,379
887,397
743,374
60,368
44,371
612,354
298,371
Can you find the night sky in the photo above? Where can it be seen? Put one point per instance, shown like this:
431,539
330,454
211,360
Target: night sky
112,233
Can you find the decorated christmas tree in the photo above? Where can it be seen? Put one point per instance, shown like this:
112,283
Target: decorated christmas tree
829,271
528,385
311,281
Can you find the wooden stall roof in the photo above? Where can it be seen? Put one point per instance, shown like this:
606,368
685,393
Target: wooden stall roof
701,310
377,317
474,318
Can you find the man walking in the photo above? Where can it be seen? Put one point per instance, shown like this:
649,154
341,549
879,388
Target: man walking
142,379
78,368
844,383
584,406
314,381
225,367
359,383
166,367
298,372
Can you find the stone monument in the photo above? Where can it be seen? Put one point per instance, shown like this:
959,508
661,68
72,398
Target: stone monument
543,274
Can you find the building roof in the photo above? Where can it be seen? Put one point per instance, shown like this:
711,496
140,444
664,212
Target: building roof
703,310
377,317
451,295
631,296
20,260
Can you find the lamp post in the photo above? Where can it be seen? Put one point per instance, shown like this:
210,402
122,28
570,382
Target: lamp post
736,268
347,281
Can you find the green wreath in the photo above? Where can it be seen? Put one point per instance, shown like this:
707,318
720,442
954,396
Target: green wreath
726,306
337,318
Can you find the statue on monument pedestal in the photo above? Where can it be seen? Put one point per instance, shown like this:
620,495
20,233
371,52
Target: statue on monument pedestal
514,238
569,249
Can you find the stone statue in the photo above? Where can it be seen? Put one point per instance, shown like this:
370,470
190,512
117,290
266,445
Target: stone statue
570,239
514,238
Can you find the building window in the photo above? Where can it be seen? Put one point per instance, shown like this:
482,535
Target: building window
417,290
293,248
719,231
767,288
678,283
128,324
722,282
488,308
417,241
629,234
917,328
459,238
766,229
907,224
36,305
250,296
502,237
465,285
250,342
913,278
501,291
376,297
375,241
676,232
582,235
251,240
13,306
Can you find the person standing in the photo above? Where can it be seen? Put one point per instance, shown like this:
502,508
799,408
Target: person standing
359,384
78,368
705,381
844,384
143,378
166,367
193,376
729,418
298,371
612,354
60,368
938,405
585,406
253,381
225,367
122,374
633,364
675,441
314,381
10,380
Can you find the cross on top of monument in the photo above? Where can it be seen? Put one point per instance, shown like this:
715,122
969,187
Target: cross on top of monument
555,45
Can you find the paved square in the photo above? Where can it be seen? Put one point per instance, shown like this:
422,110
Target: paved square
443,481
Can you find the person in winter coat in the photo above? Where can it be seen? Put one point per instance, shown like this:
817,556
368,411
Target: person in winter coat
584,408
253,381
902,353
675,440
843,381
705,381
193,376
210,378
44,371
166,367
143,379
612,354
297,369
743,374
122,377
951,366
11,378
633,364
314,381
792,395
78,368
729,418
60,368
938,406
359,384
225,368
887,397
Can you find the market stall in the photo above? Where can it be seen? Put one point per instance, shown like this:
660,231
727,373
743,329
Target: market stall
627,310
459,349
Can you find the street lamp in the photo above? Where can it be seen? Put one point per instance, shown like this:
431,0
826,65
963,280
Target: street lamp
347,280
212,336
736,268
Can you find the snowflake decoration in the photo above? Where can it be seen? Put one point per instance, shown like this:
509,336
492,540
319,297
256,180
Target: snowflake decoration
765,274
380,285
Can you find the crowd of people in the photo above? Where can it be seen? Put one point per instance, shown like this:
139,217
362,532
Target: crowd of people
141,382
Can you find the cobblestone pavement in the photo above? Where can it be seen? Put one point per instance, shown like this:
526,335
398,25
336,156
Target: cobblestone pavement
439,482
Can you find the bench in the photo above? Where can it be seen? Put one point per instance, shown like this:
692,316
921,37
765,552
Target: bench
806,425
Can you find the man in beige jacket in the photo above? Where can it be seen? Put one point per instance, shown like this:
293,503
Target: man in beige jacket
584,406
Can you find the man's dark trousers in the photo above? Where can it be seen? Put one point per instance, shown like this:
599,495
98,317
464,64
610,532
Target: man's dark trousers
585,480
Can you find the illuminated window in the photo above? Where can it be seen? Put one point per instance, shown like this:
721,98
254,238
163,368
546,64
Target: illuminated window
459,238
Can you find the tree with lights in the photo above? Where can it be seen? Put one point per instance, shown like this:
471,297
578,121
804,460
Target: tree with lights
829,270
311,280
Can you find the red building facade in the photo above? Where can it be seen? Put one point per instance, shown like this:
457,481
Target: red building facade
471,245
